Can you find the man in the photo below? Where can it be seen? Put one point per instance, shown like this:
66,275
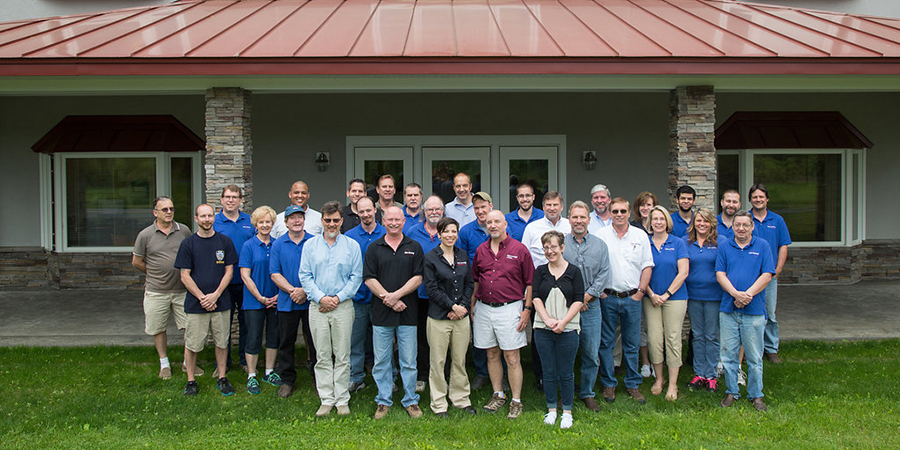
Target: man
681,219
331,272
426,235
235,224
385,190
393,271
299,195
361,353
355,191
293,307
744,266
600,217
731,203
503,274
552,220
154,254
630,263
461,208
525,214
412,211
206,260
771,228
474,233
590,255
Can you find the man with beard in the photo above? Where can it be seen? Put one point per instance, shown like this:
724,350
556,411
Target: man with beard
731,203
525,214
299,195
426,235
600,217
681,219
355,191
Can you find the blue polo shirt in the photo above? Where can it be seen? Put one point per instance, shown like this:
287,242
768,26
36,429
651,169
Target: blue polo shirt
358,234
665,266
515,226
470,237
412,221
679,225
743,266
701,280
238,230
285,260
428,243
255,256
773,230
723,230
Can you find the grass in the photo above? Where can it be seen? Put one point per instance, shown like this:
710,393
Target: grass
827,395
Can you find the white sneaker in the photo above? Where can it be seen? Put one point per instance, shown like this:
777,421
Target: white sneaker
566,421
420,386
550,418
720,369
742,378
645,371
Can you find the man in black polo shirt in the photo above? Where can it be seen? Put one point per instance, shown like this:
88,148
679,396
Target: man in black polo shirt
393,270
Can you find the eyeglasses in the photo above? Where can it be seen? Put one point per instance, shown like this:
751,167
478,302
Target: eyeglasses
551,247
166,210
231,197
619,211
742,225
326,220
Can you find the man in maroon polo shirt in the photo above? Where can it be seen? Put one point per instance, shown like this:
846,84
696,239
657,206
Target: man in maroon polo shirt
501,308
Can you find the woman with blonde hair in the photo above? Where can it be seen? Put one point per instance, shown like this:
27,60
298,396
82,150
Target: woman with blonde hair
705,295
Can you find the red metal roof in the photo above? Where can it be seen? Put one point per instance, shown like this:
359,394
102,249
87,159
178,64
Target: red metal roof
229,37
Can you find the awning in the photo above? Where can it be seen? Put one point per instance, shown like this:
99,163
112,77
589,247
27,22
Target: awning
788,129
119,134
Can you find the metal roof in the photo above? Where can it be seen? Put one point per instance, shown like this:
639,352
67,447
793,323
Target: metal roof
229,37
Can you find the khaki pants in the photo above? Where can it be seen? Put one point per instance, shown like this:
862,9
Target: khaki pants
331,335
664,325
453,335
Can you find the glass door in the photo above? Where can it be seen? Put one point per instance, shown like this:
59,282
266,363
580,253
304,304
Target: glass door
373,162
536,166
441,164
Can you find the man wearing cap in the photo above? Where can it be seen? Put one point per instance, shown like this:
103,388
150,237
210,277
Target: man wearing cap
299,195
474,233
525,214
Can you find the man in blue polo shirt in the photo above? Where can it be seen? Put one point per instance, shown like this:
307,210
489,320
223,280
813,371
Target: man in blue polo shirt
744,266
681,219
474,233
235,224
731,203
412,211
284,265
770,227
517,220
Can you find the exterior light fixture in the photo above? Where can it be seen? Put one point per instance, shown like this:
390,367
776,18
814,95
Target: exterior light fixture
322,161
589,159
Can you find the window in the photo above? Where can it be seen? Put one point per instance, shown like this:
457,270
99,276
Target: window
102,200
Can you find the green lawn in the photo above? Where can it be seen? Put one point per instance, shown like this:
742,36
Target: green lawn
826,395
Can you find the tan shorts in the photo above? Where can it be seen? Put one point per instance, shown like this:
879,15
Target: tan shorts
200,325
157,308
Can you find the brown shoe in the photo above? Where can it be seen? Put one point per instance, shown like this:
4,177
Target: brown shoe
727,401
165,373
636,395
758,404
494,403
515,409
773,358
591,404
381,411
414,411
609,394
286,390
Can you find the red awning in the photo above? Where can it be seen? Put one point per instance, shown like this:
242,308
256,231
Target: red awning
252,37
789,129
119,134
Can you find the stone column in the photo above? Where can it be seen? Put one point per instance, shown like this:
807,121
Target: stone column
229,149
692,152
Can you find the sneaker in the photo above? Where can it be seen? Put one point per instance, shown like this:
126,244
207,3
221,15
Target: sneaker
480,382
420,386
550,418
165,373
191,388
324,410
285,390
645,371
414,411
273,378
515,409
253,386
712,385
224,386
566,421
742,378
197,370
697,382
381,411
495,403
343,410
720,369
356,386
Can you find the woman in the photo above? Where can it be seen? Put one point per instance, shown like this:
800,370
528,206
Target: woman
558,297
260,298
644,202
449,284
666,301
705,296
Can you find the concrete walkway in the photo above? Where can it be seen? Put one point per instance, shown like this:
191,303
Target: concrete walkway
865,310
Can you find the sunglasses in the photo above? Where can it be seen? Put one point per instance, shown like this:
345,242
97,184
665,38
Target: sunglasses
619,211
331,220
166,210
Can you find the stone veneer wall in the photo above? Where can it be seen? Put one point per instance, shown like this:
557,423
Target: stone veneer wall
35,268
692,134
229,148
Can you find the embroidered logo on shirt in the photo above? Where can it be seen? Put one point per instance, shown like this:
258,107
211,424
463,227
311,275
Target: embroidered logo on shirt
220,256
409,252
512,257
753,253
461,263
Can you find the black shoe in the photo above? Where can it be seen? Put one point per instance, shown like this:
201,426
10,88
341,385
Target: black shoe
480,382
469,409
442,415
224,386
191,388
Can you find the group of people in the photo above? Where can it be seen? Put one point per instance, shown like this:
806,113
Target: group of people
375,278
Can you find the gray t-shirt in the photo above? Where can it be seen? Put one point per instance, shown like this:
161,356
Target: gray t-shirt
159,251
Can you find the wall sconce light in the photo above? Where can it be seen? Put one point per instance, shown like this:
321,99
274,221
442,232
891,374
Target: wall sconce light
323,159
589,159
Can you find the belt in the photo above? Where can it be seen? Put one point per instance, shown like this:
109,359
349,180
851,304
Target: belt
620,294
497,305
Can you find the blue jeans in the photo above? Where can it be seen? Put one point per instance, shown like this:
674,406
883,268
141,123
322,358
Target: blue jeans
705,328
383,346
735,330
628,312
772,323
558,358
361,341
590,348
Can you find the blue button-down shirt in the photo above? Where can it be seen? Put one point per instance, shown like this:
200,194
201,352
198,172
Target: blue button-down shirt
239,231
428,243
470,237
331,269
592,257
462,214
363,238
285,260
515,226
